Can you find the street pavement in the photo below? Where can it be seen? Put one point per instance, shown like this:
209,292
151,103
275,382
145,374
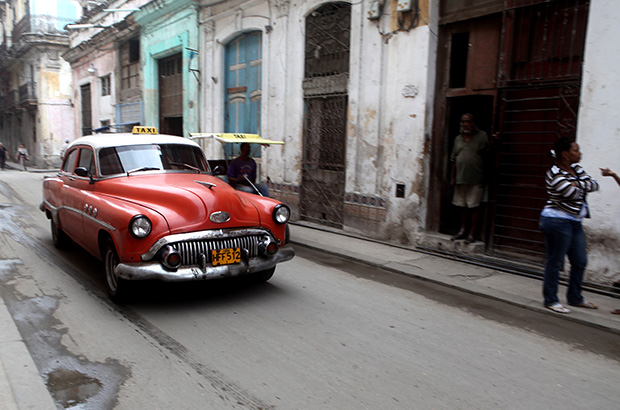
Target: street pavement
21,386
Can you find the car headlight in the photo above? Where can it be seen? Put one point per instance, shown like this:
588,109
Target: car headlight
281,214
140,226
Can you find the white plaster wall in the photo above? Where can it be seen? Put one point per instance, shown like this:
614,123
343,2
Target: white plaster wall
104,65
386,130
598,135
55,111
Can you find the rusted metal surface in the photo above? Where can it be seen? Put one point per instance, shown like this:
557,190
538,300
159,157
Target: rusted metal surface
539,89
533,118
325,98
87,111
545,43
323,165
537,64
171,86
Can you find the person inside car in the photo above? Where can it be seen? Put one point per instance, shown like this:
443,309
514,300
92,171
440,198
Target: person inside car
242,173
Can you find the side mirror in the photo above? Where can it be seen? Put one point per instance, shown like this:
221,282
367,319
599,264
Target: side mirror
83,172
218,170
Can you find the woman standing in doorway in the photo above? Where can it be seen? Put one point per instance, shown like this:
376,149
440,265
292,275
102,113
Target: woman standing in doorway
567,186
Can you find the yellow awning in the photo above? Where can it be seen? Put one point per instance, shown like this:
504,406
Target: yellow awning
228,138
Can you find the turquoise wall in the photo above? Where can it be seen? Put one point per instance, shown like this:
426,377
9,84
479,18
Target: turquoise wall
64,11
168,30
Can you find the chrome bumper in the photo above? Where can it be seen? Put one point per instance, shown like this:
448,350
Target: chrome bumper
154,270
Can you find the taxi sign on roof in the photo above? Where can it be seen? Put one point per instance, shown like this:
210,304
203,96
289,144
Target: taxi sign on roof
144,130
228,138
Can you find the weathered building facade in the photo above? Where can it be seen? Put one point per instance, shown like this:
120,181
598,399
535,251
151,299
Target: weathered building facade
107,71
35,82
367,96
346,87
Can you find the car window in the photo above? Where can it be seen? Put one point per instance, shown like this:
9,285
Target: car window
87,160
69,163
116,160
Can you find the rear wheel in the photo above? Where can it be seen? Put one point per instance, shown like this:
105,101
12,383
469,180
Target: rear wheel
59,237
115,285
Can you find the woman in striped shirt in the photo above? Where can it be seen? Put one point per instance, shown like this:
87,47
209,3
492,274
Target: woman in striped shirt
567,186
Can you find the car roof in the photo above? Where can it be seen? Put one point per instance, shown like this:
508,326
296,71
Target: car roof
98,141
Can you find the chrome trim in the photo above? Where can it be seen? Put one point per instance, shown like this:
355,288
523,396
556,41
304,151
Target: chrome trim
54,210
207,184
211,234
154,270
214,215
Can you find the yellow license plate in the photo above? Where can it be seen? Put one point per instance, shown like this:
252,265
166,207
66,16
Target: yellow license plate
226,256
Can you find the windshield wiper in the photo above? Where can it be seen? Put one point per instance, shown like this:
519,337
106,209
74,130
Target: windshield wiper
142,169
181,164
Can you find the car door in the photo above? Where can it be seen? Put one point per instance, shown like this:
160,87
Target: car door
73,193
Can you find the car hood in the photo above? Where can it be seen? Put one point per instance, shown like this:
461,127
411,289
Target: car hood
185,200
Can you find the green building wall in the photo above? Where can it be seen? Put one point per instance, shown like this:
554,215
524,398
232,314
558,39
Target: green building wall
170,27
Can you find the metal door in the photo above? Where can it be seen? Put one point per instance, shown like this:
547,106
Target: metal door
171,95
87,111
325,85
539,102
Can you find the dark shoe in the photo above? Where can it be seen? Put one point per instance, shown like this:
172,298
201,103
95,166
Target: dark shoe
460,235
470,239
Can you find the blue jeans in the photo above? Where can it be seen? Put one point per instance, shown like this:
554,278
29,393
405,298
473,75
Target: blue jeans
563,237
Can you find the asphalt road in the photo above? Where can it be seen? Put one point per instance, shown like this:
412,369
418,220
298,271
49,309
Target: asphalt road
324,333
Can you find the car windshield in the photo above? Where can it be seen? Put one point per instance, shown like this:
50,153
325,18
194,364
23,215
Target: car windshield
118,160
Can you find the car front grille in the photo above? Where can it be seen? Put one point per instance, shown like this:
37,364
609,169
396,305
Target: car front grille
191,251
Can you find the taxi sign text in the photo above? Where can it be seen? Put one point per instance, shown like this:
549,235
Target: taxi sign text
144,130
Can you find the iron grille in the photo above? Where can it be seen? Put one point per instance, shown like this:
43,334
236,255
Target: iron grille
191,251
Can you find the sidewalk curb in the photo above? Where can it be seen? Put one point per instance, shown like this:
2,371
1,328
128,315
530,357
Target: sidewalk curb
583,316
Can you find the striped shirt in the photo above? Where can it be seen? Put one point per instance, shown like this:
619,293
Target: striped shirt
565,196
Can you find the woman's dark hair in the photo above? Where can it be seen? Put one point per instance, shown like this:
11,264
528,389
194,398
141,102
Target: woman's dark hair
561,145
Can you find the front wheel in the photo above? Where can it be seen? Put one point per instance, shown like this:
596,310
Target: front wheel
263,276
59,237
115,285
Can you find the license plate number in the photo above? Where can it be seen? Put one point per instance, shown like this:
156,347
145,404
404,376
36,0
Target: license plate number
226,256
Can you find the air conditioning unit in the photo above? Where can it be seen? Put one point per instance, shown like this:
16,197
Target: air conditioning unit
404,5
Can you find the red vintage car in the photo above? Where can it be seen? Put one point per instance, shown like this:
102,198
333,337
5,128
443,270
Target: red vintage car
150,207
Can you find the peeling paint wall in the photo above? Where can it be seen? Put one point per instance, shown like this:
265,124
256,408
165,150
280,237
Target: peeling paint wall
169,28
598,135
390,79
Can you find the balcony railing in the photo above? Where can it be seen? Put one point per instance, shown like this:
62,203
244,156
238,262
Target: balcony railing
22,27
40,24
27,94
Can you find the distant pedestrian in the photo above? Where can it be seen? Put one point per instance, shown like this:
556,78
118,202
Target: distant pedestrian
63,149
3,155
606,172
22,156
467,178
567,187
